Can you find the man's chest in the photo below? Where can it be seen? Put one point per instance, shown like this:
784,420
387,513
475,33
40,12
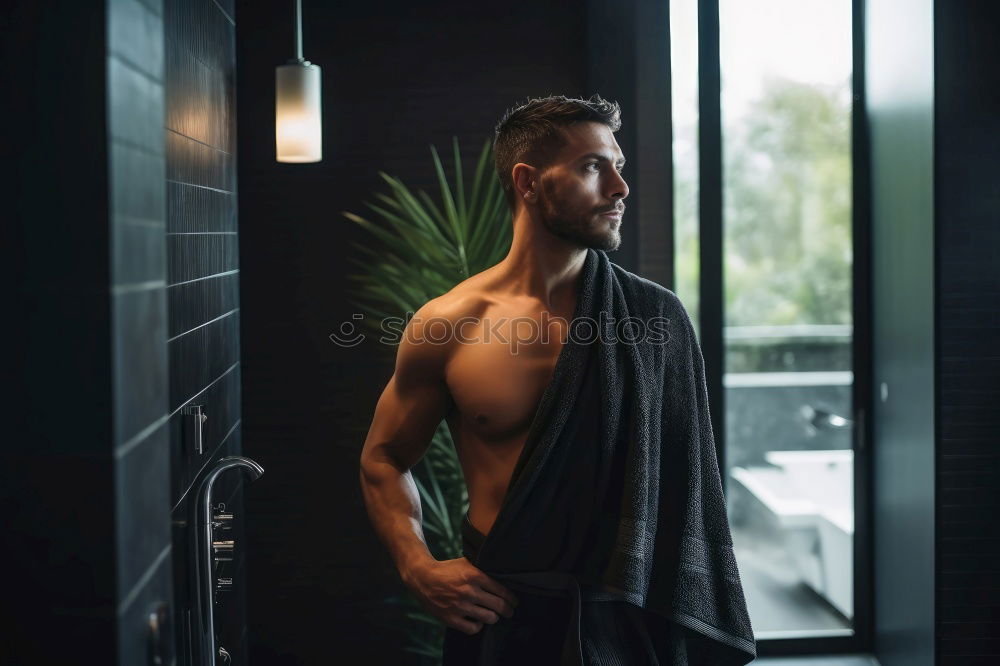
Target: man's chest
498,374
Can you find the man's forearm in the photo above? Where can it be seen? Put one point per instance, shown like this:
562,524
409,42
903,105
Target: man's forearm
393,505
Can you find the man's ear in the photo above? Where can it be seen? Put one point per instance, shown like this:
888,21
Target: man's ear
525,181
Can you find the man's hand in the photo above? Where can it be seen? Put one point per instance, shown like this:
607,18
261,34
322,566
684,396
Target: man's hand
455,590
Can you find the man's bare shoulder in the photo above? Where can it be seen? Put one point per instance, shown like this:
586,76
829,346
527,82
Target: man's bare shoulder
432,333
468,298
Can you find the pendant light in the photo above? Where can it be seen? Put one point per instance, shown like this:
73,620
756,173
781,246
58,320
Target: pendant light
298,126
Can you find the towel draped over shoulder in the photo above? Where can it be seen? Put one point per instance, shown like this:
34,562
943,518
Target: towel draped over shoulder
616,496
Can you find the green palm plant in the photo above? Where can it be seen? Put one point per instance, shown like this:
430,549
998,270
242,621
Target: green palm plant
421,250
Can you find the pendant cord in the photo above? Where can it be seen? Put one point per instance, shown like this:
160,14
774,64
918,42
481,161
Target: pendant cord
298,30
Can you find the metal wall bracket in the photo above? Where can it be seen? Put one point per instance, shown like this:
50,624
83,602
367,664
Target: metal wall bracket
196,429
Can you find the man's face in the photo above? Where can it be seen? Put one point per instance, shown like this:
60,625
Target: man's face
584,183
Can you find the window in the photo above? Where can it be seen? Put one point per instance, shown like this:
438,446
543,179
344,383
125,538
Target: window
785,291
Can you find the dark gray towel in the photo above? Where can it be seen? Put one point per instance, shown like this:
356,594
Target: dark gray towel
613,632
627,506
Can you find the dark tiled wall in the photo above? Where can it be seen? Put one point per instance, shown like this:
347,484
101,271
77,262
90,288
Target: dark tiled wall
202,296
138,319
967,202
122,241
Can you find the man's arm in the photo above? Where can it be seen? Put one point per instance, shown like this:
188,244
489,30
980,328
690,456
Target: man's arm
406,416
408,412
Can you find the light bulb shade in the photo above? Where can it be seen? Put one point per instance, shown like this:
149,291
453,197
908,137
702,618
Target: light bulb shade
298,125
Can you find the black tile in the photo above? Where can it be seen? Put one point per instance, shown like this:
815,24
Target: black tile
191,209
138,250
133,622
135,33
199,357
192,256
228,7
197,99
189,161
155,6
194,303
138,187
200,27
139,334
135,107
142,518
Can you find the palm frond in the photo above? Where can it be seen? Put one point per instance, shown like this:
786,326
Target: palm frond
459,184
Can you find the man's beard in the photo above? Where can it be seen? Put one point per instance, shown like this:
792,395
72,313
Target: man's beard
581,230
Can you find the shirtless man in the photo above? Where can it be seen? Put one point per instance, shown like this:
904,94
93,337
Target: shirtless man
560,167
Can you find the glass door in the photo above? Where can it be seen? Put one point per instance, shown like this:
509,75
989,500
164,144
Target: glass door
785,96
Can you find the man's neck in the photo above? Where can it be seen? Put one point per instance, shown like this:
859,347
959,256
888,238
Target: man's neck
542,266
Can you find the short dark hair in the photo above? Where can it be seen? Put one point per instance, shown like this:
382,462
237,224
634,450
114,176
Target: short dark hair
533,132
